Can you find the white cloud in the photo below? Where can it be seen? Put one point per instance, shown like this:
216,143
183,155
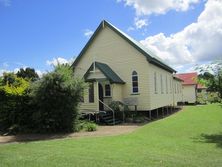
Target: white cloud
5,3
59,60
88,33
40,73
198,42
140,23
212,67
147,7
157,7
2,71
130,28
16,70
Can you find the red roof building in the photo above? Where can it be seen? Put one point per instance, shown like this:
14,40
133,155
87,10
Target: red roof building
189,86
188,78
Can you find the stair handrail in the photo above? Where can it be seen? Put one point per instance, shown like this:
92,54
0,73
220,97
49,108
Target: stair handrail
110,109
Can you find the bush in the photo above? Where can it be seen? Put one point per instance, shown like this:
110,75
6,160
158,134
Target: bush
90,126
14,105
120,109
79,125
49,105
213,97
201,98
56,97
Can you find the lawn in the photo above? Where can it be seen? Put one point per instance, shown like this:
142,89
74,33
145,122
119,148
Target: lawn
191,137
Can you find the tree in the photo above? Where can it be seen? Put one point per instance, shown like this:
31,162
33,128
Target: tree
56,97
28,73
212,76
13,103
8,78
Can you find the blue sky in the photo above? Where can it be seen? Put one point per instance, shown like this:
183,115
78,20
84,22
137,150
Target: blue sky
35,32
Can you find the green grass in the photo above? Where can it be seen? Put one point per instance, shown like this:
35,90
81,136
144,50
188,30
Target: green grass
192,137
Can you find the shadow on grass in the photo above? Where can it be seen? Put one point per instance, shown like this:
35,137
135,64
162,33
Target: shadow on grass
211,138
25,138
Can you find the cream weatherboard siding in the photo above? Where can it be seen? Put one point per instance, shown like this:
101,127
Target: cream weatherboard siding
86,106
110,48
162,96
96,74
177,92
189,93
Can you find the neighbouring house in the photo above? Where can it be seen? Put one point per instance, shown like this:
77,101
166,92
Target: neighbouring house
118,68
201,88
189,87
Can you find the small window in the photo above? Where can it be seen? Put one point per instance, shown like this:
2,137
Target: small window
175,87
91,93
107,90
135,82
166,85
155,83
170,85
161,82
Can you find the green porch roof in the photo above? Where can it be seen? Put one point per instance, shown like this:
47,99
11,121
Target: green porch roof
150,56
107,71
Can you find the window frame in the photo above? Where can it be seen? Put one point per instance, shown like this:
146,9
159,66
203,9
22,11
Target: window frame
166,84
161,83
91,93
134,77
105,90
155,83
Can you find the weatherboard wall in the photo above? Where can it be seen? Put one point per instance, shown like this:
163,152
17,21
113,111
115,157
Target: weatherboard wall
110,48
189,93
177,92
160,97
86,106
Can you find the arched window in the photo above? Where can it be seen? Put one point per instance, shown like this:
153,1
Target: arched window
135,82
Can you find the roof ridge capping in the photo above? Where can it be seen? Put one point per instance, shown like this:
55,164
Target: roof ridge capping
150,56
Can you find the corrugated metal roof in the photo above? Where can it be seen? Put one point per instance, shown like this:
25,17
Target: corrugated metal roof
151,57
188,78
107,71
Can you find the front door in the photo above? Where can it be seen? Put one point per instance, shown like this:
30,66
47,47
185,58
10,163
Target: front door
101,106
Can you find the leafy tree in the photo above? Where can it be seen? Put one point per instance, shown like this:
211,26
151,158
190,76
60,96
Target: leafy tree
13,104
18,87
8,78
212,76
28,73
56,97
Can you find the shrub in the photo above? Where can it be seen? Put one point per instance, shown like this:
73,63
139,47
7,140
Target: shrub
201,98
56,97
79,125
213,97
14,104
90,126
120,109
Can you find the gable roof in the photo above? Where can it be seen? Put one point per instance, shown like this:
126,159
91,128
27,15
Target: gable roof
151,57
107,71
188,78
176,78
